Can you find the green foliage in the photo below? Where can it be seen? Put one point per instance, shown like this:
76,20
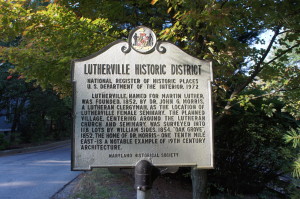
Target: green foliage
3,142
282,78
294,188
122,14
218,30
294,137
35,115
13,97
296,166
51,38
250,151
225,31
47,118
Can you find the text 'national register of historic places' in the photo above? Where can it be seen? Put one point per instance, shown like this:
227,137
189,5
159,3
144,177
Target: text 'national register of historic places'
141,99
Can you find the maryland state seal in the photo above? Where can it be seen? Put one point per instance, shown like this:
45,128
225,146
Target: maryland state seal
142,39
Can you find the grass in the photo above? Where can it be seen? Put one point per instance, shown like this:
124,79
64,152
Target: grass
101,184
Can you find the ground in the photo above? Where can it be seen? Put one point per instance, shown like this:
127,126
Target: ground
102,184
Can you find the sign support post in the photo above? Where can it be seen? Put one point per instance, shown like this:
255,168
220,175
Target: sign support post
199,182
145,174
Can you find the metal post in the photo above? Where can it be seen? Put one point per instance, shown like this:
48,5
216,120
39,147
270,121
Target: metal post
199,181
145,173
143,194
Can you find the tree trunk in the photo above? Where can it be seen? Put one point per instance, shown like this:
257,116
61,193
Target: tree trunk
199,180
16,118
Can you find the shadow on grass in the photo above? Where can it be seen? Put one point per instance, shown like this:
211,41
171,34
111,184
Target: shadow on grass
100,183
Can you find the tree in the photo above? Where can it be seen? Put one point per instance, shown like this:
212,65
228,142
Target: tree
50,37
14,95
251,148
223,31
35,115
218,30
122,14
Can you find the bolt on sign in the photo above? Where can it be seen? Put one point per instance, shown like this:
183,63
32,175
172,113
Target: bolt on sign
141,100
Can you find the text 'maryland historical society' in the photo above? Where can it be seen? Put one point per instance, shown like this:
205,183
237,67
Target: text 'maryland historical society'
142,99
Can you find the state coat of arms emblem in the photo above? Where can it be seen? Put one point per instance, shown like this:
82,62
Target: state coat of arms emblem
142,39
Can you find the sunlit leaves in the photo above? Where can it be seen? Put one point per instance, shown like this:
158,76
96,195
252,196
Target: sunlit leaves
12,19
269,109
153,2
293,136
51,38
224,31
283,75
296,166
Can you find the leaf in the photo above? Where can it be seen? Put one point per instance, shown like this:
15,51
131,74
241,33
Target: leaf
153,2
296,165
293,136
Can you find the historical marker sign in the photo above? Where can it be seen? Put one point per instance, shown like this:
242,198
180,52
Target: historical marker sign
143,99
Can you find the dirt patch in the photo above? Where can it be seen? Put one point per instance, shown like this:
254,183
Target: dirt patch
102,184
69,189
165,187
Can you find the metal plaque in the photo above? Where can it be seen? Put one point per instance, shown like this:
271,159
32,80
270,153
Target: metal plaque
152,102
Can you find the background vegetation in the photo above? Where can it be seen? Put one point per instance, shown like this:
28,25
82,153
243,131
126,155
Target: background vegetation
35,115
254,46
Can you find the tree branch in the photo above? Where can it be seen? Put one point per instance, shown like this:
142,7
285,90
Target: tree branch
257,70
282,53
287,31
258,66
223,4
